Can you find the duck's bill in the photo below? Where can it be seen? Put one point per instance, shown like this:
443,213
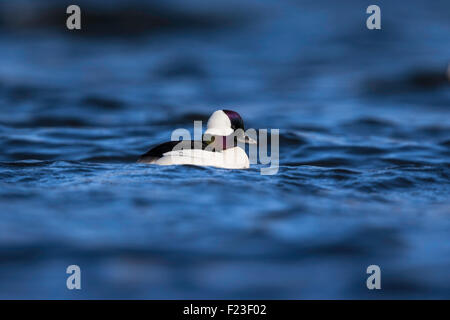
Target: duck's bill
247,139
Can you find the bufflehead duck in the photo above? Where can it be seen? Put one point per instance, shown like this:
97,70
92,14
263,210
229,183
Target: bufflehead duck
218,148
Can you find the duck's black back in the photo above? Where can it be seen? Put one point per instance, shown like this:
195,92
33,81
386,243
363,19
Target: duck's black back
158,151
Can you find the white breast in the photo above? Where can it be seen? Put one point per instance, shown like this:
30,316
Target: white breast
233,158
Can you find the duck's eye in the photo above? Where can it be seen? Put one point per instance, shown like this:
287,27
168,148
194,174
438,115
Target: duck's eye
210,139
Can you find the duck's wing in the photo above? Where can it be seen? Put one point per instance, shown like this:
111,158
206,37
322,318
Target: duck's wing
159,150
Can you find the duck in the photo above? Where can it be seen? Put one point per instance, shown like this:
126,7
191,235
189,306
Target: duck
221,146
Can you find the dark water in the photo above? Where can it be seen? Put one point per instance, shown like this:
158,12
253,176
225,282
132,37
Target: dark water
364,157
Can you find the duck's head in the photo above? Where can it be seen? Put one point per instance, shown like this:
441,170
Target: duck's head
226,122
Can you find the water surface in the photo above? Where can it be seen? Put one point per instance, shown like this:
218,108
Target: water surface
364,151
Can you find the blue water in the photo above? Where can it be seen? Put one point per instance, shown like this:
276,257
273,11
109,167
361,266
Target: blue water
364,177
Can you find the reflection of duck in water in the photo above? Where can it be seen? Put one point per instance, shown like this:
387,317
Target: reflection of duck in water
225,128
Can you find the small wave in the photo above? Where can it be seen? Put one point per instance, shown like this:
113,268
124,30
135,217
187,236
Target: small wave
33,155
405,162
445,143
414,81
434,131
126,19
184,119
355,150
290,138
324,162
387,184
345,171
26,163
53,121
182,67
110,158
102,102
370,123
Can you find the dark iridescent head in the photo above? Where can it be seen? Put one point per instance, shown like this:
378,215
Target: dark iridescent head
235,119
